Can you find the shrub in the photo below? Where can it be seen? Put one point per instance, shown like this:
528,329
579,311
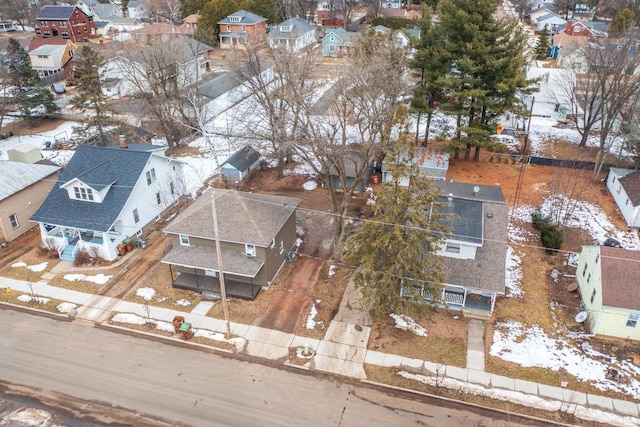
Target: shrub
538,220
82,258
551,238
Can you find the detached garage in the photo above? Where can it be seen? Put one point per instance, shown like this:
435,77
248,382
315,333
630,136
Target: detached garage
241,166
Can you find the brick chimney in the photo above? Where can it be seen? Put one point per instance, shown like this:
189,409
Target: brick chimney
123,141
569,29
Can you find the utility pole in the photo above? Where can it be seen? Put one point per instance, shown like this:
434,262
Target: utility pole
223,290
524,155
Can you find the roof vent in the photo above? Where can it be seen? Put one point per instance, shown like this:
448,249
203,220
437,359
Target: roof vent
450,198
476,190
122,139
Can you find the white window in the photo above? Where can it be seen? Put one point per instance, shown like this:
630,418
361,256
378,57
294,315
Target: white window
184,240
632,320
151,176
210,273
589,279
172,188
454,248
82,193
158,198
593,296
250,250
13,218
597,257
136,218
281,246
584,270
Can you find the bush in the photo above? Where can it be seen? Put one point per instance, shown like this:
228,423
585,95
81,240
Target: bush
551,238
538,221
82,258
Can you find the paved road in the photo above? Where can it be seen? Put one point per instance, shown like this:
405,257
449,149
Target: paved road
107,373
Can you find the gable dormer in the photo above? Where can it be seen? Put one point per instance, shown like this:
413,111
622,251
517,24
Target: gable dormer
79,190
235,19
286,28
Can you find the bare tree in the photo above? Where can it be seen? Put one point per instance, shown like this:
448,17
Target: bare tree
170,10
566,190
280,85
345,143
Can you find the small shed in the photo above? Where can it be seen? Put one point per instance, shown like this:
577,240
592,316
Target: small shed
241,165
353,166
25,153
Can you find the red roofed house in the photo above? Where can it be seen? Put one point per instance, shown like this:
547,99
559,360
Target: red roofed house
609,282
64,22
242,28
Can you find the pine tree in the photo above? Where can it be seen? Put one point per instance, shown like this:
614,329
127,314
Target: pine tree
393,255
487,67
90,97
29,93
542,50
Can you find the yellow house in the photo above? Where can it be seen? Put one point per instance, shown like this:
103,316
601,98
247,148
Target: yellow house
609,282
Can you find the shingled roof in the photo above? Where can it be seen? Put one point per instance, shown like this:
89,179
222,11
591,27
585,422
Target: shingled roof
631,185
620,277
243,158
56,13
97,167
16,176
242,217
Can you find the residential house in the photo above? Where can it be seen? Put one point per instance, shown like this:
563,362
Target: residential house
106,195
590,30
330,13
552,22
135,9
159,31
538,12
353,166
474,253
256,233
121,76
8,26
241,166
51,58
624,186
552,100
338,42
406,36
569,52
609,283
23,188
64,22
430,163
125,25
391,4
191,22
100,11
242,28
293,35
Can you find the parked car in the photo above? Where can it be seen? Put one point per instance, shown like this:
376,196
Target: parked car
613,243
58,88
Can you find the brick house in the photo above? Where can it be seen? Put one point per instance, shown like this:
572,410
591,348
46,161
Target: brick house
64,22
242,28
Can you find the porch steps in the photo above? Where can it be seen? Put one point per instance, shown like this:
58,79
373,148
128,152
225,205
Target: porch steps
67,254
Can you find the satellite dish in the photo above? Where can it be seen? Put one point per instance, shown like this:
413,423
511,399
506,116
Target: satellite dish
582,316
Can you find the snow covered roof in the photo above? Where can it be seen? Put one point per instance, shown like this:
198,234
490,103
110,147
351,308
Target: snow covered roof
16,176
620,277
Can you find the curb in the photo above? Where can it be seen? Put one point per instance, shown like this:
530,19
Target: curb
39,312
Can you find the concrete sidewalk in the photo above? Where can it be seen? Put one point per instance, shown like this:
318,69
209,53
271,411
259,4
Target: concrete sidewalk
343,351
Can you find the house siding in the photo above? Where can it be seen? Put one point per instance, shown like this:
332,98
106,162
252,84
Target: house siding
24,204
77,27
630,213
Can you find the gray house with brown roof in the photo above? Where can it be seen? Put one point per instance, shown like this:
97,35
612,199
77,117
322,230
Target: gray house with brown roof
609,283
257,233
474,252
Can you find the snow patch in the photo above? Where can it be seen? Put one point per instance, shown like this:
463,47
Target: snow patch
29,298
66,307
146,293
406,323
183,302
310,185
513,278
98,279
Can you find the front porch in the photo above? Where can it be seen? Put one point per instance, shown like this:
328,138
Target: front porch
210,286
472,303
69,241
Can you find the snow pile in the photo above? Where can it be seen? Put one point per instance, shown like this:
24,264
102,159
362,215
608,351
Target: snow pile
98,279
183,302
37,267
146,293
406,323
332,270
311,322
513,276
555,275
310,185
520,215
27,417
521,398
134,319
66,307
531,346
29,298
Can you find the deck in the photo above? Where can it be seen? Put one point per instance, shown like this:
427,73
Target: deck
211,285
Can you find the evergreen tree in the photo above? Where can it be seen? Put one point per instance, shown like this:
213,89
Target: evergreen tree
90,97
430,65
394,254
622,22
487,67
542,50
29,93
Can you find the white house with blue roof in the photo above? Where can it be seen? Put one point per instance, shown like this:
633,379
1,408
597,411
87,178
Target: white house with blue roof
293,35
106,195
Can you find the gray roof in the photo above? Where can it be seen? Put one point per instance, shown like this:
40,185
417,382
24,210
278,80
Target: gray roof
55,13
245,18
16,176
121,20
342,34
243,158
103,10
299,27
219,83
96,167
465,218
487,270
242,217
205,257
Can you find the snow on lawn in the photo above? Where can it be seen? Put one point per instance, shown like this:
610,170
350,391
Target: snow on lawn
513,278
183,302
29,298
406,323
311,322
146,293
36,267
531,346
61,157
134,319
516,397
332,270
98,279
66,307
310,185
